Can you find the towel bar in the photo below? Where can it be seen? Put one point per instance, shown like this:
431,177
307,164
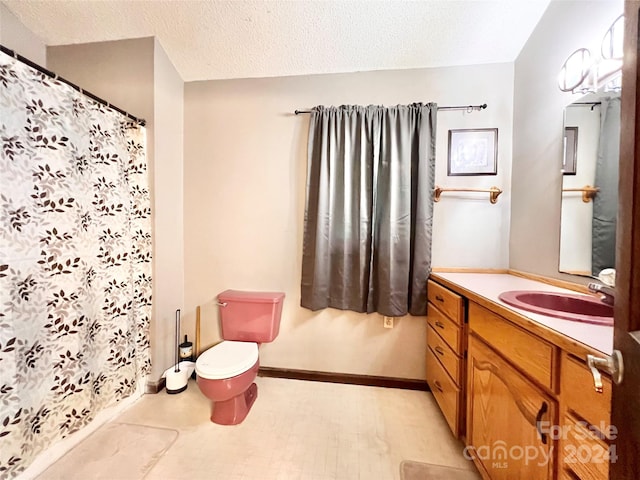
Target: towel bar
588,192
493,192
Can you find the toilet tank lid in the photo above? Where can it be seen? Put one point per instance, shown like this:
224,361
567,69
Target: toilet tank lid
252,297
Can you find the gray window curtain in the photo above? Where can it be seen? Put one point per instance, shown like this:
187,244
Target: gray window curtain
369,208
605,204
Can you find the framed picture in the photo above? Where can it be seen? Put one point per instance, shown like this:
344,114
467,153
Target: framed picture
570,158
473,152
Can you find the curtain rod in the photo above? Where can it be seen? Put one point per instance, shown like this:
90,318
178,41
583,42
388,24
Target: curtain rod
55,76
586,104
468,108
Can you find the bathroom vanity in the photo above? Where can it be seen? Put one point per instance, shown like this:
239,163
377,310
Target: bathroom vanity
515,385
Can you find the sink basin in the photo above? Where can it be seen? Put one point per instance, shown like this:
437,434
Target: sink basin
579,308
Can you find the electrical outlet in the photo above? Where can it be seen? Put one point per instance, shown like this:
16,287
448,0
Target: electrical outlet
387,322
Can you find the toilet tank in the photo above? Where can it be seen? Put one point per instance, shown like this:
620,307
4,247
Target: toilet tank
250,316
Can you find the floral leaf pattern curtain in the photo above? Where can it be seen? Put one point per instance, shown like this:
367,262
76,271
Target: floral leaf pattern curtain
75,261
369,208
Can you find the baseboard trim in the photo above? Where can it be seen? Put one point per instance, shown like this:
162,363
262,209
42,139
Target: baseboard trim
155,387
328,377
348,378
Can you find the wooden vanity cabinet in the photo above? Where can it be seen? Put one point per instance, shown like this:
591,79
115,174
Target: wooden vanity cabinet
585,447
521,397
446,341
527,352
508,414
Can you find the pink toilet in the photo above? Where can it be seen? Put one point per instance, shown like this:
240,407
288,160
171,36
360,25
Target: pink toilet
226,371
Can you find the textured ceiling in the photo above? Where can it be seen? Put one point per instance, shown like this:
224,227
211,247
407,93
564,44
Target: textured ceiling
236,39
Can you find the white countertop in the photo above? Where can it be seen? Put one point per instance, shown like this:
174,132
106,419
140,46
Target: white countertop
490,285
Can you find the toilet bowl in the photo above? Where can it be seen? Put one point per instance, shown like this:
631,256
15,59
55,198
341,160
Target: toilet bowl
225,373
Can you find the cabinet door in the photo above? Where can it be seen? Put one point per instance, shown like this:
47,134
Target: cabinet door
508,419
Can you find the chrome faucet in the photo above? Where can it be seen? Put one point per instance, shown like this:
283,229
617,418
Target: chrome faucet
607,294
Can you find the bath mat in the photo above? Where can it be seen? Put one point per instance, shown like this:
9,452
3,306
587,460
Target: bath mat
425,471
116,450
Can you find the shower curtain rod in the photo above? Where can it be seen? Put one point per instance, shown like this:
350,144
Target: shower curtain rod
586,104
141,121
468,108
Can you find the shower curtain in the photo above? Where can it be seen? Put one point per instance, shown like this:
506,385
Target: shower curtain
605,204
75,261
369,208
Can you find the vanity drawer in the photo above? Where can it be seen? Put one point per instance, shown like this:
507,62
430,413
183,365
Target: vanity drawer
530,353
449,303
447,357
448,331
446,393
580,396
582,453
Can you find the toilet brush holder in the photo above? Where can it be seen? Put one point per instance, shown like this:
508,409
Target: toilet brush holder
177,377
176,381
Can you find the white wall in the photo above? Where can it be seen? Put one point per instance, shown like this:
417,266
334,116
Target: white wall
120,72
469,231
538,128
245,168
17,37
168,207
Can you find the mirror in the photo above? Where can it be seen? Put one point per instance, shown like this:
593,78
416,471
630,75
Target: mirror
590,184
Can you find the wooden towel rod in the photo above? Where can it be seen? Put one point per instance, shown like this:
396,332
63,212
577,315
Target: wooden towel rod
588,192
493,192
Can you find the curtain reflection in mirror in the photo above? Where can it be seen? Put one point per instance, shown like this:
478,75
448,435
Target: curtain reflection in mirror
605,204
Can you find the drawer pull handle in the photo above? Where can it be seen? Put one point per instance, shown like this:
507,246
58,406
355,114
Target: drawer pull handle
439,351
439,298
436,384
541,412
439,324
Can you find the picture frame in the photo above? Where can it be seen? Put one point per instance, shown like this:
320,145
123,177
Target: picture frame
473,152
570,155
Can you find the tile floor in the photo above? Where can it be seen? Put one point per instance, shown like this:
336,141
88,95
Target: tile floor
295,430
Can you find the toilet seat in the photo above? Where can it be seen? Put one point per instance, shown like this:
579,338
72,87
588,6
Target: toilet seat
227,359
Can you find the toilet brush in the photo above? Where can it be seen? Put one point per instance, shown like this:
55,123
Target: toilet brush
196,351
177,342
176,378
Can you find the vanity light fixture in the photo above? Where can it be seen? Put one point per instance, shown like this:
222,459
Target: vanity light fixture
581,73
611,49
574,74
